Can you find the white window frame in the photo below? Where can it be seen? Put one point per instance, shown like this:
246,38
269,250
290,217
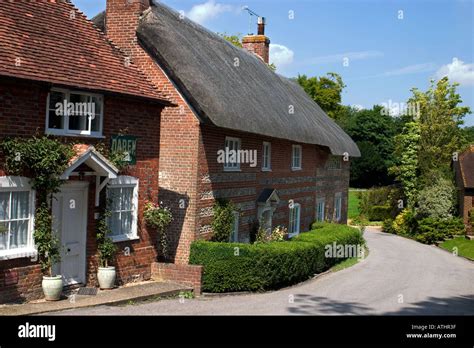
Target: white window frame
18,183
234,237
124,181
66,131
338,206
266,156
232,167
296,166
295,220
320,213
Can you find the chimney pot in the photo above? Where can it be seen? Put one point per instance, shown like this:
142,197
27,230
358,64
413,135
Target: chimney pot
261,25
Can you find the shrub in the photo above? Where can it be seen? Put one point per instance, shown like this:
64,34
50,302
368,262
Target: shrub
318,224
405,223
278,234
438,200
379,213
223,221
431,230
387,226
255,267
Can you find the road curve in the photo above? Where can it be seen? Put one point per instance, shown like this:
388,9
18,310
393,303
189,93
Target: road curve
399,277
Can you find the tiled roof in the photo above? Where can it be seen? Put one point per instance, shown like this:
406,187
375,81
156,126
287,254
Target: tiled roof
52,41
466,162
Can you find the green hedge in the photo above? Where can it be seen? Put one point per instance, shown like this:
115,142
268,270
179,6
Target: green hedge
259,267
379,213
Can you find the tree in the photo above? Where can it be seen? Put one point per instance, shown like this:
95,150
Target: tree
373,131
235,39
468,133
325,91
440,117
407,148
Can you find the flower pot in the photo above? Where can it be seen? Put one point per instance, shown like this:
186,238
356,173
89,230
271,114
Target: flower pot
52,287
106,277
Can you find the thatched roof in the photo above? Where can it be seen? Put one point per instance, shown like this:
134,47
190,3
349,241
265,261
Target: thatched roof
249,97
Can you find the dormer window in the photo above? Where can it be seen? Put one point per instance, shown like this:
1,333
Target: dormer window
74,113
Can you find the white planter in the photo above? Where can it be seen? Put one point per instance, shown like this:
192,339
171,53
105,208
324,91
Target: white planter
106,277
52,287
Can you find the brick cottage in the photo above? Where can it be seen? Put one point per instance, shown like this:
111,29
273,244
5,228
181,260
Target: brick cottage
464,173
182,96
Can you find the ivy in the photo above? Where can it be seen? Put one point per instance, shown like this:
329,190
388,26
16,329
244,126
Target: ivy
43,160
159,217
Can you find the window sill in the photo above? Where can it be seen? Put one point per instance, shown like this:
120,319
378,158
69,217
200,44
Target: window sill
63,134
232,170
266,169
124,238
18,253
296,169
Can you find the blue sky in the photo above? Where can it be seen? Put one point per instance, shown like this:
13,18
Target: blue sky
380,48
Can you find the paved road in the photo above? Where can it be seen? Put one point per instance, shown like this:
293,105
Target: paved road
426,280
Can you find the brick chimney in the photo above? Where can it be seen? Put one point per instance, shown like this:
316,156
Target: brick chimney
121,22
258,44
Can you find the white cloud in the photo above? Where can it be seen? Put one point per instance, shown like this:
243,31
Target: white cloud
458,71
203,12
340,57
281,55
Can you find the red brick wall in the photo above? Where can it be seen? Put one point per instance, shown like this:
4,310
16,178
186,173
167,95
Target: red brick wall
179,131
178,273
302,186
22,113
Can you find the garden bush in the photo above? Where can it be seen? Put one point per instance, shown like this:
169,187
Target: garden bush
438,200
232,267
379,213
425,230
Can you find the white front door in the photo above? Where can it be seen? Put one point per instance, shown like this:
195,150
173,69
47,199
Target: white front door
70,224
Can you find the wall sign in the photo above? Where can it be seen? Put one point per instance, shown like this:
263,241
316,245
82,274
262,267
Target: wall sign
126,144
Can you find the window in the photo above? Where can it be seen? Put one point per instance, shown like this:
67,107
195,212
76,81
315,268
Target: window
267,156
232,156
334,162
234,237
16,218
74,113
337,206
296,157
122,195
320,205
294,226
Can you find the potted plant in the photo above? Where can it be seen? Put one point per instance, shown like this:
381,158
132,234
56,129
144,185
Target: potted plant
106,274
48,248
